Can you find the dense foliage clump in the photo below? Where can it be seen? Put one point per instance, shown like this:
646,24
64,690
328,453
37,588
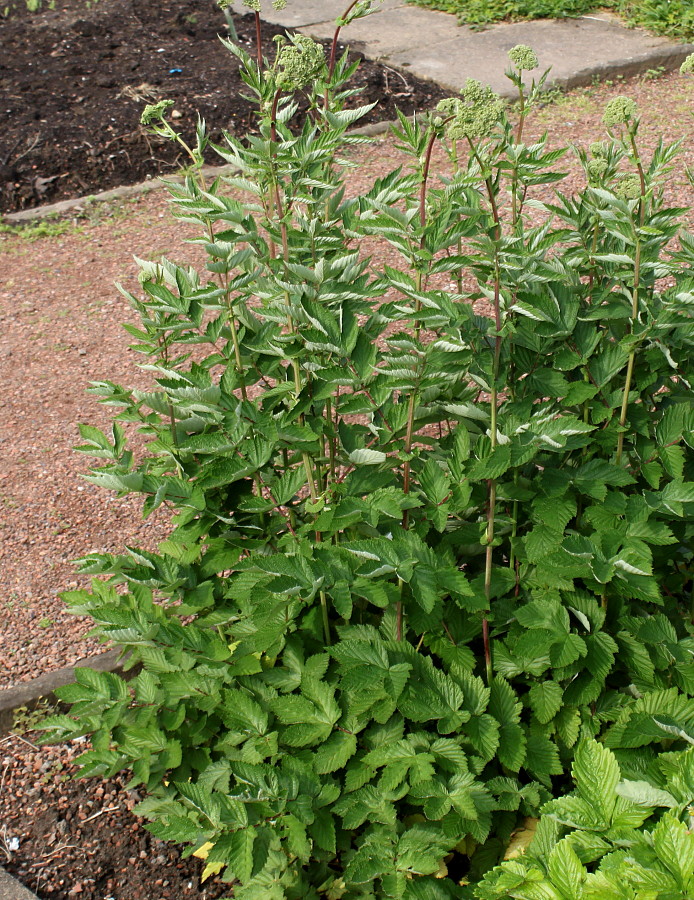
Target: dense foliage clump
433,523
670,17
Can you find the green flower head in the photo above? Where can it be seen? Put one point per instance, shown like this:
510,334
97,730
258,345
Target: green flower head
253,5
598,150
473,116
687,67
299,63
155,112
619,111
628,187
279,4
523,57
596,169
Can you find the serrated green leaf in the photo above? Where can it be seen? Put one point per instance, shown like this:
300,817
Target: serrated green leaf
545,700
335,752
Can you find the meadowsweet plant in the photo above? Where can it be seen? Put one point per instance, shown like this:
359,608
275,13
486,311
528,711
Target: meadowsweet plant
651,817
432,522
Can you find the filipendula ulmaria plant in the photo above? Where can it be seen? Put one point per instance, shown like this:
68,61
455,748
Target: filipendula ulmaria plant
613,838
431,522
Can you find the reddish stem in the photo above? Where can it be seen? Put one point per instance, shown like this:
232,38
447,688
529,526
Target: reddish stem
423,186
333,49
273,116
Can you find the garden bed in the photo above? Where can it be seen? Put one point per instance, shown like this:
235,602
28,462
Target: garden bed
78,839
74,80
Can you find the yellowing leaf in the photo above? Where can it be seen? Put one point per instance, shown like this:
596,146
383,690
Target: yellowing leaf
521,838
211,869
202,852
443,870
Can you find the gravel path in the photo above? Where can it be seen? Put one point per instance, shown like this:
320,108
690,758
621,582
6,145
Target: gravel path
60,318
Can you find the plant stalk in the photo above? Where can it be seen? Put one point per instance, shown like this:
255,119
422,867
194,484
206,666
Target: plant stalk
634,301
494,399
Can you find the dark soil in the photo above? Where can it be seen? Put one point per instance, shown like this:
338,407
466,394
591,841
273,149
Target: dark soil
74,80
78,840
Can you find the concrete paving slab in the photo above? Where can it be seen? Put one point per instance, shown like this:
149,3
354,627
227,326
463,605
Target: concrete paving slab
577,50
394,28
305,12
11,889
300,13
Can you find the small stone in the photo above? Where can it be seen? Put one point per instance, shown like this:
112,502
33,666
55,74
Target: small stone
82,352
176,114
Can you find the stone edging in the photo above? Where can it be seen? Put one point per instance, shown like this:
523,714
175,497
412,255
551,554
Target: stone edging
11,889
28,694
125,192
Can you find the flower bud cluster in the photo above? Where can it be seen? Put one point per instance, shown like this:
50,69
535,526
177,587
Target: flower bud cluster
155,112
596,169
475,114
619,111
523,57
687,67
628,186
299,63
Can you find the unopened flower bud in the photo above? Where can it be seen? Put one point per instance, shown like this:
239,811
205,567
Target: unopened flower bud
596,169
687,67
155,111
619,111
598,150
628,187
475,114
299,63
523,57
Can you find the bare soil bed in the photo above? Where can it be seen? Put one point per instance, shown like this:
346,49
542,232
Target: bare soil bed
78,840
74,80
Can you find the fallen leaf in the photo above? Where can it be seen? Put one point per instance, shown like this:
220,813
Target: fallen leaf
521,838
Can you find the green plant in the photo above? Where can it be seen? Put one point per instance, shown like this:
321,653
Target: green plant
611,839
482,12
417,552
31,6
653,74
671,17
26,719
33,231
